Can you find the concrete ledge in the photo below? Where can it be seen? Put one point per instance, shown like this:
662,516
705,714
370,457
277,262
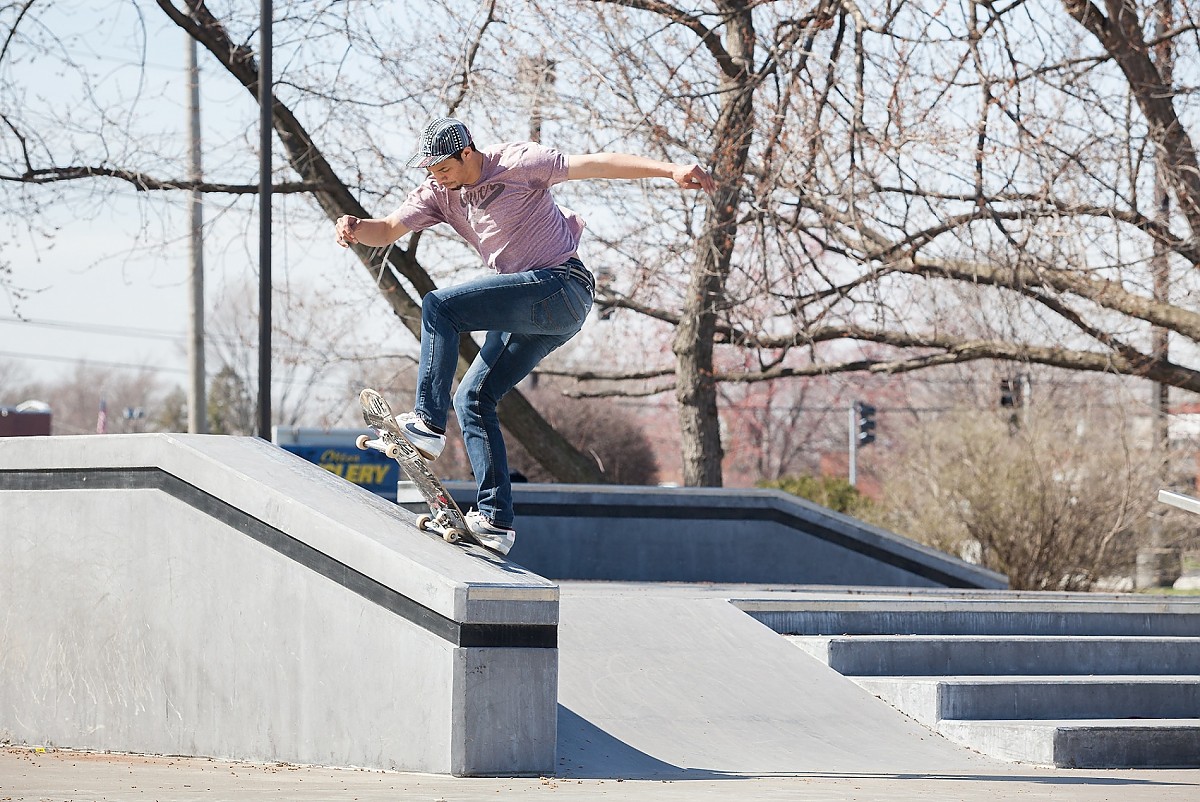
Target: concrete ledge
218,596
650,534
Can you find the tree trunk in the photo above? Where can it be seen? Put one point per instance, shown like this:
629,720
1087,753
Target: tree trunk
696,388
1122,36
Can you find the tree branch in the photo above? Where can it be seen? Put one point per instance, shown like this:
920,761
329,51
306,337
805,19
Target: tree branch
708,36
464,83
545,443
1122,37
955,351
12,32
145,183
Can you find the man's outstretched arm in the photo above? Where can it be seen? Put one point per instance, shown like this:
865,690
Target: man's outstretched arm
374,233
584,166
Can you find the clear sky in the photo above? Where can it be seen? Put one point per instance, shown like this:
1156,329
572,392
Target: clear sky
105,267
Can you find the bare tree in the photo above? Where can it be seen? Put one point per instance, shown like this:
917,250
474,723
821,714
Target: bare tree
14,382
132,400
902,185
30,160
616,440
318,356
924,185
777,429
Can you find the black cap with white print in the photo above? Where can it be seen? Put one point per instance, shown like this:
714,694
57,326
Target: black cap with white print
443,138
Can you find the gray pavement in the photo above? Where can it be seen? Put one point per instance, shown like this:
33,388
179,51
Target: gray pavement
77,777
669,687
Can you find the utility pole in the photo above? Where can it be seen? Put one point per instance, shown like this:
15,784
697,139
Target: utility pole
197,393
538,72
852,427
1158,565
265,125
1160,263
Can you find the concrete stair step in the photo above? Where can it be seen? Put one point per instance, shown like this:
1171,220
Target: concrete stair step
959,655
1084,743
1066,680
933,699
979,616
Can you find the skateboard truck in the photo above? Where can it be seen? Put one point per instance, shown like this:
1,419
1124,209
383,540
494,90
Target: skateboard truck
444,518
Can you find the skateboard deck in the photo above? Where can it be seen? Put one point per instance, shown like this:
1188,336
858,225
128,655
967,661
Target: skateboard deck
445,518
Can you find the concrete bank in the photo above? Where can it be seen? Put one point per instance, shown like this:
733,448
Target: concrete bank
217,596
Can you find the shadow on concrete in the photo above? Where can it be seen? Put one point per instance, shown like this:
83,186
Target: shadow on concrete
1021,774
586,752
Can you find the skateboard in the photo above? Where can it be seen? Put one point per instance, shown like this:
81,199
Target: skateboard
445,518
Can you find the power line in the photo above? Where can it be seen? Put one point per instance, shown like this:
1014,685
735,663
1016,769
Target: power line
134,332
91,362
99,363
97,328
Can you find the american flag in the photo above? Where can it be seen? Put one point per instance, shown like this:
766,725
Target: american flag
102,418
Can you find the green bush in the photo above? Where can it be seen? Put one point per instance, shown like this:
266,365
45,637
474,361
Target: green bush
833,492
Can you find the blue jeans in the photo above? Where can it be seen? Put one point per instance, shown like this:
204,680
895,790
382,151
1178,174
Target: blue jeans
526,316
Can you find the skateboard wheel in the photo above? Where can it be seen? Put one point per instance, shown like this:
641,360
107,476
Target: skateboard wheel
361,442
393,451
423,523
451,536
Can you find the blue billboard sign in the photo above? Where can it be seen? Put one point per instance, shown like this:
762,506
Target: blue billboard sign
369,469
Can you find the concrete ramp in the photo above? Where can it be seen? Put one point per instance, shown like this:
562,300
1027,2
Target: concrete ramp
217,596
676,682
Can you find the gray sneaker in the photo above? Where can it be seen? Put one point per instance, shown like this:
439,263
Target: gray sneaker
423,439
497,538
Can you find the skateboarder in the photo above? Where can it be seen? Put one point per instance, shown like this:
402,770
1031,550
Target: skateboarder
498,199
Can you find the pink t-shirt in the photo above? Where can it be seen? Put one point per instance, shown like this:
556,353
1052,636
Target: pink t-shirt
508,215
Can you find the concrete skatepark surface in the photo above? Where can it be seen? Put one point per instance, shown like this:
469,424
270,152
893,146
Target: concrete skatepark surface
655,690
675,682
666,692
77,777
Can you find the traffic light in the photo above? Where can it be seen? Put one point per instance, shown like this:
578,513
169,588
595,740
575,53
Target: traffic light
866,423
1010,393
